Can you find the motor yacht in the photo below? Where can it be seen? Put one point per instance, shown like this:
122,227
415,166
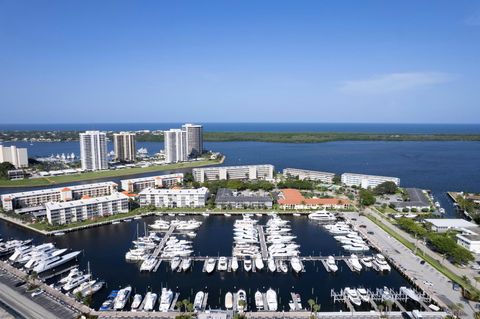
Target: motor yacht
54,261
122,298
198,301
331,264
175,263
137,301
210,265
234,263
271,265
150,301
380,263
148,264
259,262
259,300
386,295
356,247
186,264
322,216
367,261
283,266
75,282
136,254
247,263
363,294
83,286
229,300
354,262
8,247
296,264
71,274
352,295
93,288
108,303
241,300
222,264
272,300
165,300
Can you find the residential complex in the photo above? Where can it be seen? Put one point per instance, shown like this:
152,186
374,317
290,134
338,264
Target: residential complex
247,172
18,157
172,198
24,202
182,144
175,146
194,139
302,174
227,198
366,181
88,208
124,146
417,199
293,199
93,150
136,185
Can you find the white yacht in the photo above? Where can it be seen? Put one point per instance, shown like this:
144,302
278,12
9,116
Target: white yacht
259,262
247,263
353,296
186,264
386,295
363,294
331,264
175,263
35,257
354,262
150,301
222,264
322,216
148,264
83,286
122,298
165,300
271,264
272,300
297,300
137,301
367,261
72,273
93,288
356,247
136,254
75,282
210,265
54,261
380,263
259,300
229,300
234,263
283,266
198,301
241,300
296,264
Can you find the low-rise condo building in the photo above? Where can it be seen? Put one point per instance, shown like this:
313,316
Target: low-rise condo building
246,172
60,213
293,199
20,202
175,197
302,174
228,198
136,185
417,199
367,181
441,225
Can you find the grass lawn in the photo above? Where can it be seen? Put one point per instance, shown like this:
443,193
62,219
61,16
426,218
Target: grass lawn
45,181
432,261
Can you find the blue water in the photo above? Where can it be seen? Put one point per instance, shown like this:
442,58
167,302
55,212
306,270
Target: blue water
265,127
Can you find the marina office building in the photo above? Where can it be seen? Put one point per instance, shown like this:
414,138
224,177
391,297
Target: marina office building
302,174
172,198
59,213
136,185
93,150
24,202
366,181
18,157
124,146
246,172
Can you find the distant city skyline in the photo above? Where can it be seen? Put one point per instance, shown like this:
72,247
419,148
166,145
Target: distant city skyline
245,61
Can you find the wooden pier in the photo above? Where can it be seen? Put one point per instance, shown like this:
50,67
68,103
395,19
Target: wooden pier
205,300
161,245
263,244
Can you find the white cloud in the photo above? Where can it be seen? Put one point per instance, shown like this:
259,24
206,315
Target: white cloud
395,82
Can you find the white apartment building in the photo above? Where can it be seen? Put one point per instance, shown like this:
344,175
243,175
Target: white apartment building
246,172
59,213
18,157
136,185
175,146
194,139
37,198
302,174
366,181
470,241
124,146
93,150
172,198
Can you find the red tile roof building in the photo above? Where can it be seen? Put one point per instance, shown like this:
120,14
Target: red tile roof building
293,199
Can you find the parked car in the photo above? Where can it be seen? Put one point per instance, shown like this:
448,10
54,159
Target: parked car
37,292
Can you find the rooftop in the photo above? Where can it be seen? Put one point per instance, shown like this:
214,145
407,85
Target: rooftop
150,178
163,191
86,201
57,189
294,197
228,195
450,222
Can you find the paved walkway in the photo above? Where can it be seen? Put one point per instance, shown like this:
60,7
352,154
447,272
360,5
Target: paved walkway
442,289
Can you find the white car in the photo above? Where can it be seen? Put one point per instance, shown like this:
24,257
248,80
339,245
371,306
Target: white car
37,292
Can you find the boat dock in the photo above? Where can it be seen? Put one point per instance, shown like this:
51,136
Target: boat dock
161,245
263,243
174,302
205,299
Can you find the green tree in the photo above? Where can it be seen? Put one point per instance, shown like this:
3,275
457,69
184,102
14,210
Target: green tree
337,179
366,197
4,168
311,303
179,305
316,308
385,188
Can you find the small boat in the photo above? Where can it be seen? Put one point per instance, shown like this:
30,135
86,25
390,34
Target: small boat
367,261
296,264
198,301
127,220
354,263
222,264
108,303
259,300
297,214
247,263
175,263
410,293
165,300
271,264
137,301
122,298
75,282
83,287
283,266
205,214
186,264
353,296
227,215
116,222
59,233
229,300
381,263
259,263
234,263
137,217
363,294
150,301
331,264
258,214
296,300
210,265
386,295
241,300
272,300
93,289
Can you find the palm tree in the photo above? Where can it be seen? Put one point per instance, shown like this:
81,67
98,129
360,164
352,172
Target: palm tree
179,305
316,308
311,302
388,305
185,302
380,308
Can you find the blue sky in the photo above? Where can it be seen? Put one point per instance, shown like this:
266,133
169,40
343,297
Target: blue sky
240,61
